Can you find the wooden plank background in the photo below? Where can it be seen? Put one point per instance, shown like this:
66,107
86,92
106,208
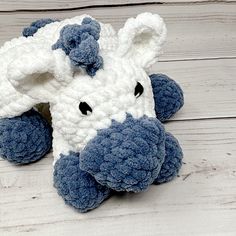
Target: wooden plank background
190,27
200,54
15,5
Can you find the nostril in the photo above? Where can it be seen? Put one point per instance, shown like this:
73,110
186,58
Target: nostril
131,160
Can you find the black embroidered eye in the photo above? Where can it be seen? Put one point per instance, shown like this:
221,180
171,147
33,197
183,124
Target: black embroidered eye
85,108
138,90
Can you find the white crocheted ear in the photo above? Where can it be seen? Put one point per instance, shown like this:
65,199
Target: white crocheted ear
40,72
141,38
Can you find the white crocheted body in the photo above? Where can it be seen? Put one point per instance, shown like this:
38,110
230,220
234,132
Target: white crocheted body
111,96
13,103
41,74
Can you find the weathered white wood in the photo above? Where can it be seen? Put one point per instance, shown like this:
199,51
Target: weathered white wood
202,201
195,31
14,5
209,87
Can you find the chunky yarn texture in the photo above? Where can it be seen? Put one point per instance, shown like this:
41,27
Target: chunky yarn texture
127,156
105,108
79,42
173,160
34,26
25,138
78,187
168,96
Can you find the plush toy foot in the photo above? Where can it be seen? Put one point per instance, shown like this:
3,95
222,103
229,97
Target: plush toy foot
25,138
78,188
173,160
168,96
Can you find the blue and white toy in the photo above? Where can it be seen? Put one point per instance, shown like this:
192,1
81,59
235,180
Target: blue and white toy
106,110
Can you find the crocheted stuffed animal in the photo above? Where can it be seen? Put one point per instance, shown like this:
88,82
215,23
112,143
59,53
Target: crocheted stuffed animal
104,106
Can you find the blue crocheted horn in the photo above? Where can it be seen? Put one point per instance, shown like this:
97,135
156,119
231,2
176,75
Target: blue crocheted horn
79,42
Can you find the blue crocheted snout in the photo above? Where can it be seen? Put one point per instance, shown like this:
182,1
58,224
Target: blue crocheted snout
126,156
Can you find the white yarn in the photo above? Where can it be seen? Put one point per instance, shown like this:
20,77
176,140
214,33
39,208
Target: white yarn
141,38
31,72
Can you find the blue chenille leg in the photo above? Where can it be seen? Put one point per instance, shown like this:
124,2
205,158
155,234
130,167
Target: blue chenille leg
26,138
77,187
173,160
168,96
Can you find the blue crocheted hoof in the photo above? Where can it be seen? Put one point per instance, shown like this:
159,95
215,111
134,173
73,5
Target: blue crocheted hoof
78,188
126,156
25,138
173,160
168,96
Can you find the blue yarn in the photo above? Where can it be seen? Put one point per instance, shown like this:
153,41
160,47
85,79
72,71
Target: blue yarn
25,138
173,160
33,28
126,156
79,42
168,96
78,188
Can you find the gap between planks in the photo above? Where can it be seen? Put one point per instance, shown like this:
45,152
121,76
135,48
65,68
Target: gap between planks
32,6
190,28
205,189
209,87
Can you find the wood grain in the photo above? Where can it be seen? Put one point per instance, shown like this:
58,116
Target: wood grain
209,87
202,201
200,54
195,31
14,5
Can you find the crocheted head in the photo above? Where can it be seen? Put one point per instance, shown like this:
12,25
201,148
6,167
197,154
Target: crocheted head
104,106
